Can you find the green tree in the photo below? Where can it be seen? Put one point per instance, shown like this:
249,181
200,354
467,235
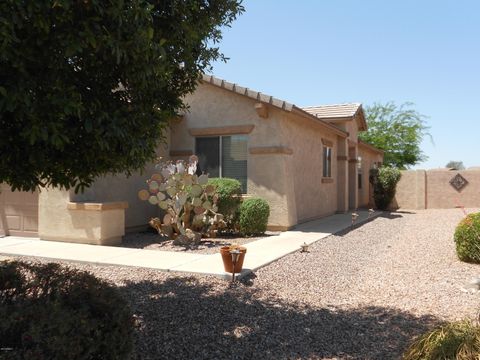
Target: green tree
398,130
86,87
456,165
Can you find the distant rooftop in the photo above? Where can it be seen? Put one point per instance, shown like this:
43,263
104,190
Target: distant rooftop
334,111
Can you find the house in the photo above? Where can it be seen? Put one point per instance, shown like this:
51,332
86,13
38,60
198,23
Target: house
306,162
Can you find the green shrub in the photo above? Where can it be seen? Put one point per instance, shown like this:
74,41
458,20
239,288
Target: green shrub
384,181
229,193
467,238
458,340
254,214
54,312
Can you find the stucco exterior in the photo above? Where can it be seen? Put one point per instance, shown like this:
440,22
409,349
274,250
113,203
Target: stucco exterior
88,223
369,158
285,152
421,189
284,165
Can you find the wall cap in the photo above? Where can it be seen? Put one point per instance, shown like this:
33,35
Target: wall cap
97,206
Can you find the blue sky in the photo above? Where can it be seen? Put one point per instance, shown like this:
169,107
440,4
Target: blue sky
321,52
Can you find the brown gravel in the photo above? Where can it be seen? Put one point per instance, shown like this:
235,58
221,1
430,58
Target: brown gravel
152,241
360,295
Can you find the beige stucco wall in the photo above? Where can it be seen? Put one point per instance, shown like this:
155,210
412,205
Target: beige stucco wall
113,188
57,222
212,107
410,192
420,189
440,194
369,158
313,197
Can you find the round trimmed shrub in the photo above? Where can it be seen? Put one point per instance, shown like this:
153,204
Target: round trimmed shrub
467,238
458,340
254,214
229,198
54,312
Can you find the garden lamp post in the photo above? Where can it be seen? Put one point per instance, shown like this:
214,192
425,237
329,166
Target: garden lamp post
235,255
354,218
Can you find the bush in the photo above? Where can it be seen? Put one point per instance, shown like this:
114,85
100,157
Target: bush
254,214
467,238
54,312
384,181
229,198
459,340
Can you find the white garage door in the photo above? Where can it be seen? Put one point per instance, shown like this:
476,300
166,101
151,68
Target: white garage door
18,212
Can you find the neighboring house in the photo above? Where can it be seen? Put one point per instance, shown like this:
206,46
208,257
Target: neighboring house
306,162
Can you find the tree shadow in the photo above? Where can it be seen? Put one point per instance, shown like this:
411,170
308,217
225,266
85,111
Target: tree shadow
182,318
391,215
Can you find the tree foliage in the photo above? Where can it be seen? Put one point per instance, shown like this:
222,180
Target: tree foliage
398,130
456,165
86,87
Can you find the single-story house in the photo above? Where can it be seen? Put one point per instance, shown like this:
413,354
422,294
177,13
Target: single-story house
306,162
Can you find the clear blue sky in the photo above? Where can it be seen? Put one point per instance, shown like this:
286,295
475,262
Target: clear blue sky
321,52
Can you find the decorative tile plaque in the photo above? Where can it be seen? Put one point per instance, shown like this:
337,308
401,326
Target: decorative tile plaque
458,182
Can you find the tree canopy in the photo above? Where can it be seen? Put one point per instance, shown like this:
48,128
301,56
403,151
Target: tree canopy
397,130
456,165
86,87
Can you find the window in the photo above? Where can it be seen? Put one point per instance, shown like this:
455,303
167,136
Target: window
223,156
360,180
327,161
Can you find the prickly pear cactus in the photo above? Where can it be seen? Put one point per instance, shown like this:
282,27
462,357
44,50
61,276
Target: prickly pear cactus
189,202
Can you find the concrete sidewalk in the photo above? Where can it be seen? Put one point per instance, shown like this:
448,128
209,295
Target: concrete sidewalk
259,253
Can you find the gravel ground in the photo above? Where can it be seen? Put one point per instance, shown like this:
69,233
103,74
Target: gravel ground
363,294
152,241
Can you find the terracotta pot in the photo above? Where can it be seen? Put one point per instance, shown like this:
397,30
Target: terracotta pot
227,259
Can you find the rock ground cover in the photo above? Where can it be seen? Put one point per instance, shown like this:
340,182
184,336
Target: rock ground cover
151,240
362,294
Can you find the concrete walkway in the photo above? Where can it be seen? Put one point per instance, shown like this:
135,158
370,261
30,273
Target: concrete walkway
259,253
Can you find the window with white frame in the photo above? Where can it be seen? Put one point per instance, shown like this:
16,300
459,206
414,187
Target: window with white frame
327,161
223,156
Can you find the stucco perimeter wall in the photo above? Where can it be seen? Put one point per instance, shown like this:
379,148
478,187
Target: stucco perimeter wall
440,194
315,196
87,223
215,111
420,189
120,188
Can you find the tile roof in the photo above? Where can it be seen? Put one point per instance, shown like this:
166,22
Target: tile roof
334,111
256,95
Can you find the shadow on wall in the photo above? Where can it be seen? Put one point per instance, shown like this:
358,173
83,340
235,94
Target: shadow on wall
189,320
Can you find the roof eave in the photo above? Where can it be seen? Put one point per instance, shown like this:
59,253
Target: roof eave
363,121
333,128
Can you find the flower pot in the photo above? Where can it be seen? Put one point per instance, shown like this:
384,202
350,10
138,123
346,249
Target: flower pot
227,259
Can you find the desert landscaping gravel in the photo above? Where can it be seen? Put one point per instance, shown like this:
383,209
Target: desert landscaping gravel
151,240
362,294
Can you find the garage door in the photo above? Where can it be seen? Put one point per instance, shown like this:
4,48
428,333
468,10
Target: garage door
18,212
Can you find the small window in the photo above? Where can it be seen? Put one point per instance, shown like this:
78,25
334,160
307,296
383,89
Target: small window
223,156
327,161
360,180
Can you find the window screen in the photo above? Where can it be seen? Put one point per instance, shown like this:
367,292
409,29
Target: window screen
234,158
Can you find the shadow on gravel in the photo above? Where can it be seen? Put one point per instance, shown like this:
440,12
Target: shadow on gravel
183,319
391,215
